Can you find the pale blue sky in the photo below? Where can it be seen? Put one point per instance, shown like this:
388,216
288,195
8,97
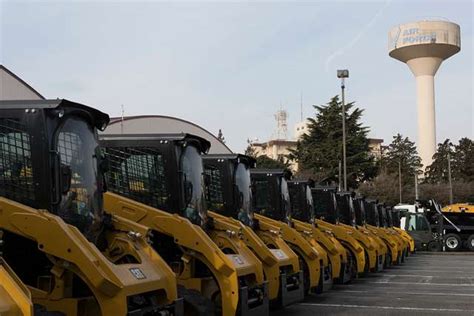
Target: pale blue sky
230,65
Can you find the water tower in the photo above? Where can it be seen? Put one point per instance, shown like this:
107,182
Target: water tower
423,46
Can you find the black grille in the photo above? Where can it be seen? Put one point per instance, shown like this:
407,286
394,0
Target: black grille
139,174
214,188
16,172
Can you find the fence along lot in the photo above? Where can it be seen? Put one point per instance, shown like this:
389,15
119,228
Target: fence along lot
426,284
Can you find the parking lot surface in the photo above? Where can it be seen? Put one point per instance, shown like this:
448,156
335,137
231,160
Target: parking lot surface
426,284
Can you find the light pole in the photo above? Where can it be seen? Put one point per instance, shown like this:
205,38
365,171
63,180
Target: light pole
344,73
400,180
450,180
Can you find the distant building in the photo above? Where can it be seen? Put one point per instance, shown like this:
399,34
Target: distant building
300,129
275,149
13,87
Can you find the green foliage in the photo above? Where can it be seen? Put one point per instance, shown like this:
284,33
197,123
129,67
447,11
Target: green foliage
385,186
463,160
320,151
250,151
401,153
438,171
264,162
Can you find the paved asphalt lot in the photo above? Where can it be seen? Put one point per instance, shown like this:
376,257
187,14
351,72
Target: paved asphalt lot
426,284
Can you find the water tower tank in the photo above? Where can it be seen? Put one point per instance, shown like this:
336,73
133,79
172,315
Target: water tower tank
423,46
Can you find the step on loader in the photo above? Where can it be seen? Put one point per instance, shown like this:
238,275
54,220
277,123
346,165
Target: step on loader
375,251
75,258
302,211
328,217
230,198
157,181
273,211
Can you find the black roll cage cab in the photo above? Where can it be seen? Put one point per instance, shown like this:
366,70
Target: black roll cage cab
300,208
225,165
325,204
372,213
39,121
359,209
274,202
119,147
345,207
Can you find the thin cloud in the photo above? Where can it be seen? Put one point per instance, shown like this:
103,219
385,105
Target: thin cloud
356,38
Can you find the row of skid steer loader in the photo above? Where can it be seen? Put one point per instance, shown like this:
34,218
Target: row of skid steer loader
157,181
230,198
152,225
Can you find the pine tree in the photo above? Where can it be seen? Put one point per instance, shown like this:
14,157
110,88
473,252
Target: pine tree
437,172
401,153
265,162
250,151
320,151
463,160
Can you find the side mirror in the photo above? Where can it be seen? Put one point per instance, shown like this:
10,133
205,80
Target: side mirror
65,178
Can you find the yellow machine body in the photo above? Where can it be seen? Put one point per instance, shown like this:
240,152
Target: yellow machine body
15,298
305,251
406,236
279,256
391,242
402,242
348,241
335,251
375,252
197,245
72,254
459,207
381,244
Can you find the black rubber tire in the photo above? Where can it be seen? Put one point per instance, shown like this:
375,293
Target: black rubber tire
470,243
320,287
353,265
453,242
306,276
195,304
367,263
388,259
